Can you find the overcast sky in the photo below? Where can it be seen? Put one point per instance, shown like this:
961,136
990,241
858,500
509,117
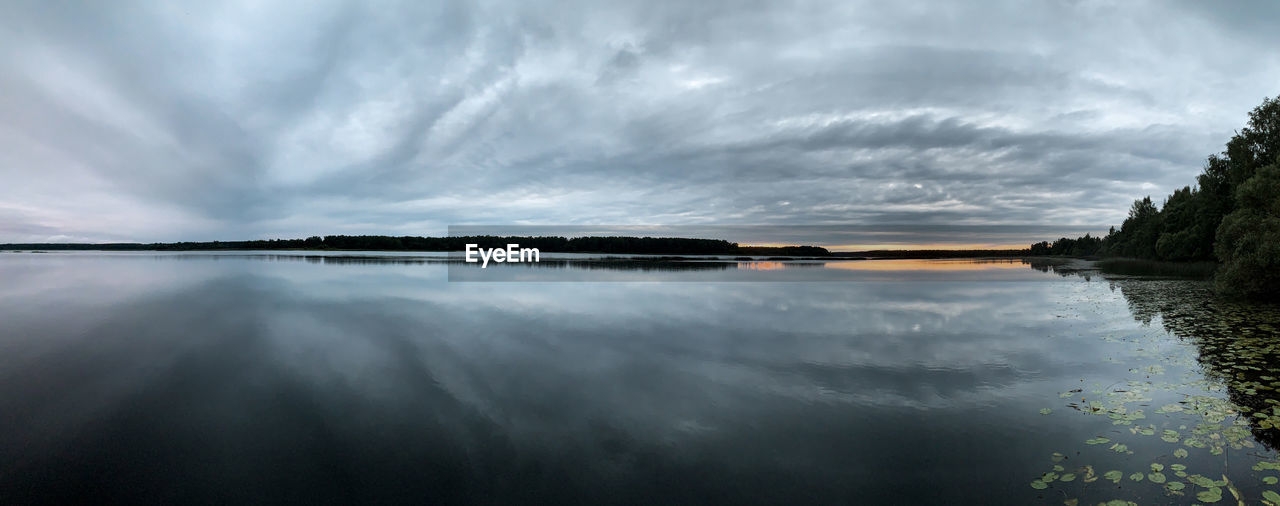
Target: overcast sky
158,121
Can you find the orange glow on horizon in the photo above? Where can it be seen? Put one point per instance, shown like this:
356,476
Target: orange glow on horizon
925,265
930,246
846,248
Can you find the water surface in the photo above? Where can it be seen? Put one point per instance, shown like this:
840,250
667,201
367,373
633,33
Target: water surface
247,378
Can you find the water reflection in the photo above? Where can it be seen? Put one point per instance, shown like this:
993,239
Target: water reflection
622,265
243,380
1237,342
1061,267
1201,391
719,270
940,265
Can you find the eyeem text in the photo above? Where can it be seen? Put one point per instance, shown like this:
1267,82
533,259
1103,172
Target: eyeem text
513,254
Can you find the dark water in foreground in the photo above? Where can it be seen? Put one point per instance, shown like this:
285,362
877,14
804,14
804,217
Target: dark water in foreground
134,378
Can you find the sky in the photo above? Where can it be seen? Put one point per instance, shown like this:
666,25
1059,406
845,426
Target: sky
893,124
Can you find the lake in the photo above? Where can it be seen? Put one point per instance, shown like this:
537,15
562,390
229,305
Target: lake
260,377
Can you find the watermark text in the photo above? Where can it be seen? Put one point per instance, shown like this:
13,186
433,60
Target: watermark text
512,254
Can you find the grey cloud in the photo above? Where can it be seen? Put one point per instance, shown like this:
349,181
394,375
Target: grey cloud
146,122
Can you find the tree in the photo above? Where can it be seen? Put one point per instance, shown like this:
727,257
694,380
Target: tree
1255,145
1248,240
1182,236
1139,232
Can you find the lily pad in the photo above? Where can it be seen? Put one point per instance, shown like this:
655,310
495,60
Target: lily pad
1180,453
1271,496
1156,477
1170,408
1039,485
1201,481
1045,411
1097,441
1266,466
1113,476
1212,495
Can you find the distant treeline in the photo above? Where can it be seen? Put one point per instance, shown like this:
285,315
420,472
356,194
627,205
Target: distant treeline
786,251
1231,216
610,244
935,253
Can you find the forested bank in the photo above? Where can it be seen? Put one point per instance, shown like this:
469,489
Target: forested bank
611,244
1230,216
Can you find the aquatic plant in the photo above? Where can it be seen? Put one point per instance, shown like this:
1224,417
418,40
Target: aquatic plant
1219,402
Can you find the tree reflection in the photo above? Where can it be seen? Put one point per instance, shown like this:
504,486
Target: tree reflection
1062,267
1237,343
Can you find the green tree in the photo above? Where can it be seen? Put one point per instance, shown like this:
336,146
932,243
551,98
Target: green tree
1255,145
1248,240
1140,231
1182,236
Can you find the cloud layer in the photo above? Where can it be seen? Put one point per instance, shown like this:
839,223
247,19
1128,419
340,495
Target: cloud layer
140,121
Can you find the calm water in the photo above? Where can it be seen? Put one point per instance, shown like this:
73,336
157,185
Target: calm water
267,378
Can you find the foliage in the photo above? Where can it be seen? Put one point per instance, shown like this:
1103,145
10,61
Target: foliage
1217,395
1228,216
1182,235
1082,247
1248,241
